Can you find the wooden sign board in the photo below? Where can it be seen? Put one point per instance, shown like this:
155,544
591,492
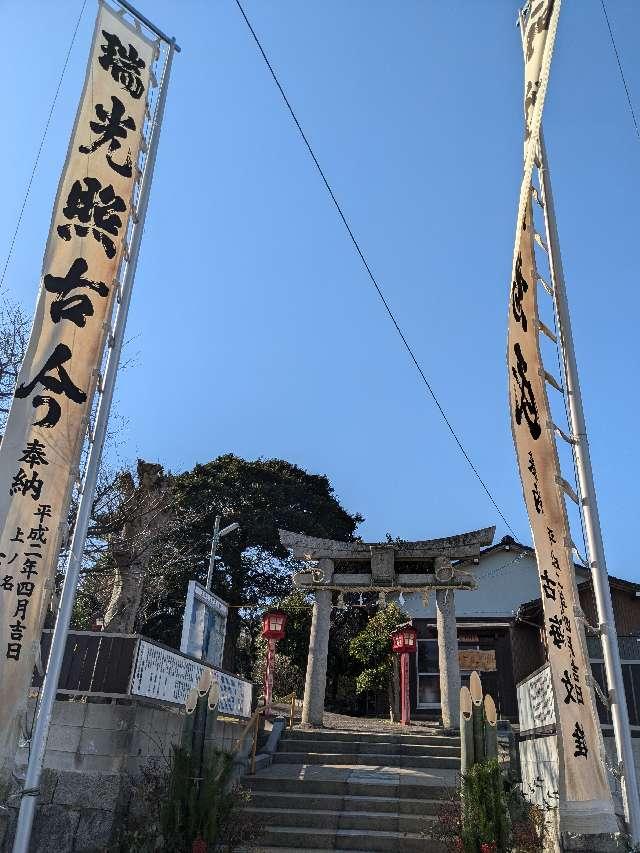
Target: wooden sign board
483,661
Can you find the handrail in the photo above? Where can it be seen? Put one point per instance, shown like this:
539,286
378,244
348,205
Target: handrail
289,699
252,724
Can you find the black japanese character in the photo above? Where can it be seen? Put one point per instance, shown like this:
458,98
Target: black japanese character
18,536
548,586
518,289
25,588
7,583
21,608
29,568
555,562
580,742
563,601
112,127
532,466
60,385
22,484
37,534
95,205
13,651
555,631
574,691
552,536
77,306
43,511
16,630
34,454
526,405
125,65
537,499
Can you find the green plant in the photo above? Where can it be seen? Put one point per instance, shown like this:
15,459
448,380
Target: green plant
172,808
372,647
485,812
488,814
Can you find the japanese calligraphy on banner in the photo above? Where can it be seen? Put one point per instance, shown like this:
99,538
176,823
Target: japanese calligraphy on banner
40,450
585,800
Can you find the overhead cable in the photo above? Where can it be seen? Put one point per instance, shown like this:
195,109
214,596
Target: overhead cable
624,80
44,135
370,273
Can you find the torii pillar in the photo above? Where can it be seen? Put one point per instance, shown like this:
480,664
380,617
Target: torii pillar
316,678
448,660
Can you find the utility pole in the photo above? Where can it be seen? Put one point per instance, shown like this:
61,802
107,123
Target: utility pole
214,548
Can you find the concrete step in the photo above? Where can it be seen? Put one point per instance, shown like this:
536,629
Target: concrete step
344,788
349,803
338,758
347,839
370,737
324,819
367,747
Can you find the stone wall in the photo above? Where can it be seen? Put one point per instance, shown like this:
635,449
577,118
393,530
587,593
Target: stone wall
93,751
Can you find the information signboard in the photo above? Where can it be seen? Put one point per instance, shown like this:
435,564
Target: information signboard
204,625
168,676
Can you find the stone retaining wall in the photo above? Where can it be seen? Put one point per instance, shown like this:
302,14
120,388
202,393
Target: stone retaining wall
93,751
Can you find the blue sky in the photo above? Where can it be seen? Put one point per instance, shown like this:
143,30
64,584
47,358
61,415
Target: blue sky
254,328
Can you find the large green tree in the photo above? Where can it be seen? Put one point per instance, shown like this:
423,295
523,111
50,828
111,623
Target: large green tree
253,568
263,496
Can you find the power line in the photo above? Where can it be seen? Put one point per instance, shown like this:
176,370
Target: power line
369,272
44,135
624,81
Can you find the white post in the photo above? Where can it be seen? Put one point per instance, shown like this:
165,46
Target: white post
589,510
74,561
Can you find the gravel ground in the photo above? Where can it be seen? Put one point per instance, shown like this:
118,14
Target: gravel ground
342,722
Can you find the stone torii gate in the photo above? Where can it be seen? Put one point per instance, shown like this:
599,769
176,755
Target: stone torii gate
388,568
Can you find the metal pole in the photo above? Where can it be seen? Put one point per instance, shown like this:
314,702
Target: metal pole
58,642
214,548
133,11
268,672
589,510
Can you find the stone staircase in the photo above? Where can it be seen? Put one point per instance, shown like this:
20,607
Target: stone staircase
339,790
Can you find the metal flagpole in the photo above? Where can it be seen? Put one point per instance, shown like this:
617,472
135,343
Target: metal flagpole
58,642
589,510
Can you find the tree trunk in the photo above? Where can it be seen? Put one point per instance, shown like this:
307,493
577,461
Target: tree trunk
394,691
145,512
229,656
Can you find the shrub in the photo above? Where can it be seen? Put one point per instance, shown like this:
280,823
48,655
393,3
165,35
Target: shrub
487,814
169,810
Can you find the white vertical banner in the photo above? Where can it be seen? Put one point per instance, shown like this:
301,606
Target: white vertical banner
41,447
585,800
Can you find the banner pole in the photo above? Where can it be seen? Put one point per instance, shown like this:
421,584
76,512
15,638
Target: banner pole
74,561
590,515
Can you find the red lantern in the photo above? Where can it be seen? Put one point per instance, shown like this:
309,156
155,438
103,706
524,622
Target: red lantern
273,625
404,643
403,639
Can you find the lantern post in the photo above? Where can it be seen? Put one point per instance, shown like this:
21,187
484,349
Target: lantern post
273,625
403,643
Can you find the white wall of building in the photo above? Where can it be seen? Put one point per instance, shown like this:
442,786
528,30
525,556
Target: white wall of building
506,579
